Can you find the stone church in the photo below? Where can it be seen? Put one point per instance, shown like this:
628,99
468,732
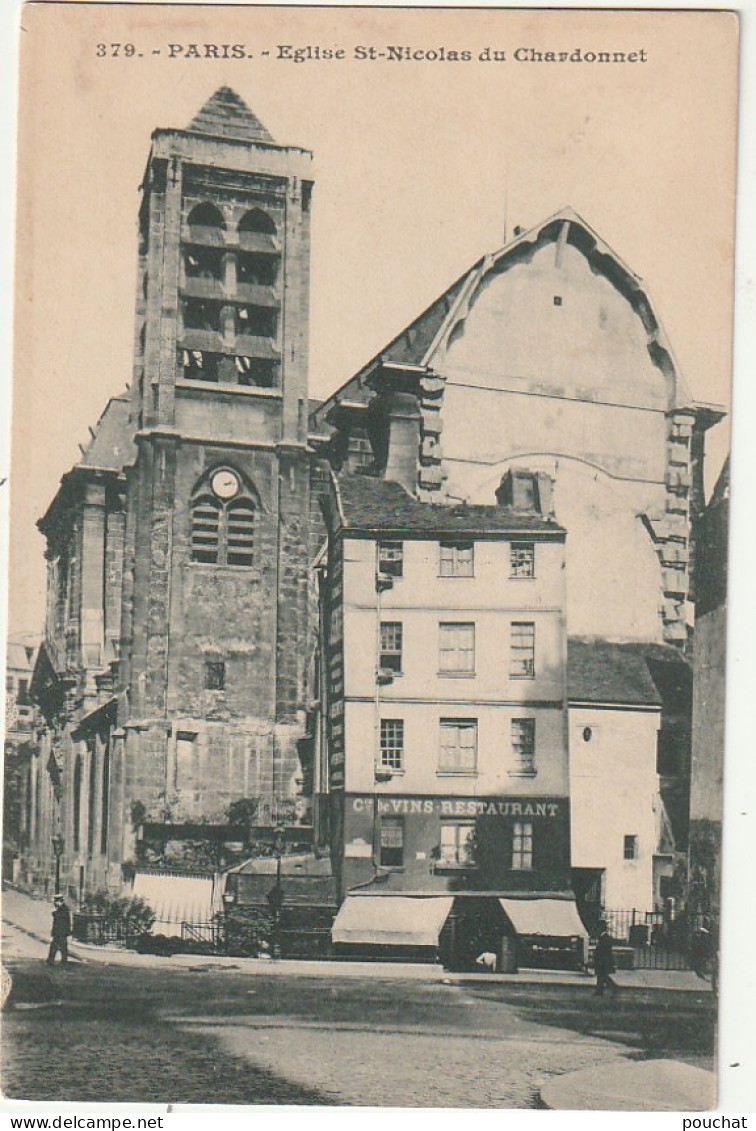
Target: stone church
176,675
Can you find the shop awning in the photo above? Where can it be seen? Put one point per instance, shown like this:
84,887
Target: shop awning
388,920
557,918
176,899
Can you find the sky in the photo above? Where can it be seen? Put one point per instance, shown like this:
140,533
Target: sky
421,167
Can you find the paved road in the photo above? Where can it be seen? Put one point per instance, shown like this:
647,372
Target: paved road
100,1031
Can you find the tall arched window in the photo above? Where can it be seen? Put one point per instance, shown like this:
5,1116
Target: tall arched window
257,221
224,515
77,804
92,798
105,798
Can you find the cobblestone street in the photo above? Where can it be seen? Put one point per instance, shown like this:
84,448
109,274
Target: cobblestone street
101,1031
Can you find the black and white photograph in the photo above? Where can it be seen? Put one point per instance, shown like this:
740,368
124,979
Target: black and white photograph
368,557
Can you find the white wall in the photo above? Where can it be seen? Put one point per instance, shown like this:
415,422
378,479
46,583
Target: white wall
614,793
421,696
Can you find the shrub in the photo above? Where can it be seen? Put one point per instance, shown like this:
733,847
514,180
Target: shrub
132,914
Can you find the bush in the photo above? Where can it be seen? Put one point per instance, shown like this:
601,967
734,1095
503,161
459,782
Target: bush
130,913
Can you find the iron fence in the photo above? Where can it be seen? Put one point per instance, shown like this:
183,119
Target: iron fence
657,940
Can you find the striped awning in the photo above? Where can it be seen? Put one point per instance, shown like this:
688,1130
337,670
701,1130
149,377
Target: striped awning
176,899
392,920
555,918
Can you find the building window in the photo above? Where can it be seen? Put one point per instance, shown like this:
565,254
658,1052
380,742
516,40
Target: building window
457,844
456,649
77,804
522,559
91,797
215,675
391,558
392,842
523,746
240,533
456,559
522,846
105,799
258,321
203,263
392,743
522,650
223,529
391,647
630,848
199,365
359,451
459,746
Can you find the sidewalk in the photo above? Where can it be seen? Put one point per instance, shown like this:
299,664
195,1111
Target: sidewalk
33,916
649,1085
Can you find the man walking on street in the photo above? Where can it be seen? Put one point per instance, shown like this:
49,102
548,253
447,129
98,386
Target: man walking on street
61,929
603,961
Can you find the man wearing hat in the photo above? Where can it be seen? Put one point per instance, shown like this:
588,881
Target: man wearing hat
61,929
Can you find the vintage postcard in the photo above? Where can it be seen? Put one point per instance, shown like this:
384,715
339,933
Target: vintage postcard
368,568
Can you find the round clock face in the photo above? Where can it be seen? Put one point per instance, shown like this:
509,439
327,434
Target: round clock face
225,484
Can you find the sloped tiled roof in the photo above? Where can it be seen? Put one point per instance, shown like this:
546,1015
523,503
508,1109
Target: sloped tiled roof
227,115
601,671
112,446
380,505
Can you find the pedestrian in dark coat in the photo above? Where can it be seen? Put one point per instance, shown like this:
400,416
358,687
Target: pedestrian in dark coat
603,961
61,929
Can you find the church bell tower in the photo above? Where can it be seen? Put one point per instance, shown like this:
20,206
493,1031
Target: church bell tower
214,627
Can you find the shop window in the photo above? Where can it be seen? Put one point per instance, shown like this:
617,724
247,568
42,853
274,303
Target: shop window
390,658
457,844
392,842
459,746
391,558
630,848
456,649
522,559
523,746
392,743
215,675
522,846
522,650
456,559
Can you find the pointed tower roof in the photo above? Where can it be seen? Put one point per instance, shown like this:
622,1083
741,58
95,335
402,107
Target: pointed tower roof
227,115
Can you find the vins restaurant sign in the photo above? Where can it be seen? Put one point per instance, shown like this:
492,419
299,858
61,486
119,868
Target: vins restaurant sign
457,807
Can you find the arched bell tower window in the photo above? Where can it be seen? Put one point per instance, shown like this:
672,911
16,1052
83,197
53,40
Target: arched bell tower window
224,517
257,221
206,215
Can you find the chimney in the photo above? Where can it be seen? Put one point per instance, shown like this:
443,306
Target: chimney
398,419
528,491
